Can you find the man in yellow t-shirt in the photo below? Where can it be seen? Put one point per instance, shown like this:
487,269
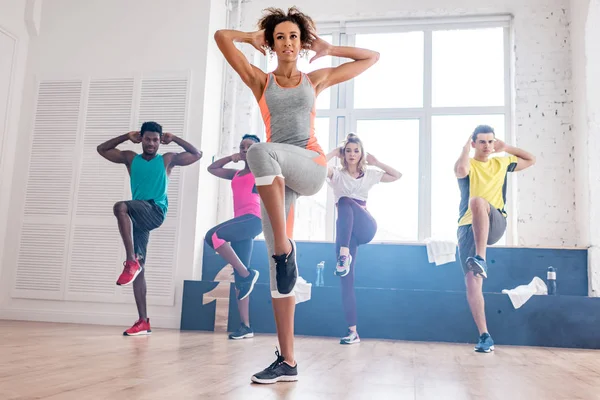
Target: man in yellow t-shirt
482,181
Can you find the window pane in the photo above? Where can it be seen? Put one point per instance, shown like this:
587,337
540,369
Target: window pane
397,78
310,222
323,101
468,68
394,205
449,135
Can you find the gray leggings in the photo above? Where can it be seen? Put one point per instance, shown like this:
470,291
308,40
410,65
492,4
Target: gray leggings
304,172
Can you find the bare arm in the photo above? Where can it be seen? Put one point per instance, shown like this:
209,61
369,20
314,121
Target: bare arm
462,166
217,169
252,76
333,153
109,149
391,174
524,158
326,77
190,156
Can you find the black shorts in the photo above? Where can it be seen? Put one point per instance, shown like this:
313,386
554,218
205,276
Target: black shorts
145,216
466,241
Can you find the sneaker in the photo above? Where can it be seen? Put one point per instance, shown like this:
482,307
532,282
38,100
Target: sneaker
485,345
351,338
343,265
478,265
286,270
246,284
140,327
242,333
131,270
279,371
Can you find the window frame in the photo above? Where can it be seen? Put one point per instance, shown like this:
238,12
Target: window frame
343,116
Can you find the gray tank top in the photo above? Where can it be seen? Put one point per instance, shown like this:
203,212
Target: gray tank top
289,113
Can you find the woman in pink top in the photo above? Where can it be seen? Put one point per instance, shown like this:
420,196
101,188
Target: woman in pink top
239,231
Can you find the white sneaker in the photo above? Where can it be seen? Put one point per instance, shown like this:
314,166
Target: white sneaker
343,265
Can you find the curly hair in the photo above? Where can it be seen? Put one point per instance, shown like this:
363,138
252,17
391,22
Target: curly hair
275,16
251,137
151,126
362,163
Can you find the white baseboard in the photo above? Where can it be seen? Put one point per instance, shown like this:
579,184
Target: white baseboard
91,318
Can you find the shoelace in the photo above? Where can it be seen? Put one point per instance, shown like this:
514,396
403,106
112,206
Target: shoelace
280,262
279,360
138,323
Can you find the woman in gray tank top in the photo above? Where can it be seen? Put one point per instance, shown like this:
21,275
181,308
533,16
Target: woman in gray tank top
291,163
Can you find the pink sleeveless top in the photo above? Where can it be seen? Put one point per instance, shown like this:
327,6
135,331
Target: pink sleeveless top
245,197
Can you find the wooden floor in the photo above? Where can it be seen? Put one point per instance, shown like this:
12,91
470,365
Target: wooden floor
60,361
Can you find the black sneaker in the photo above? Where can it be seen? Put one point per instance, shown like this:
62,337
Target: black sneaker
246,284
279,371
286,270
242,333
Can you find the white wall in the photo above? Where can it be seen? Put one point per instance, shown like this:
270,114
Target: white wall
579,13
112,38
546,199
211,132
592,146
13,28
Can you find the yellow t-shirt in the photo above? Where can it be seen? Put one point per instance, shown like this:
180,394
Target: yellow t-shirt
486,180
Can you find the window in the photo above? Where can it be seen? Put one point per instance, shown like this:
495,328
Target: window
468,68
414,110
394,205
399,71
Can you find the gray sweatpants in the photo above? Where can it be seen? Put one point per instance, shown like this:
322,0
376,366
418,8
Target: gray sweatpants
304,173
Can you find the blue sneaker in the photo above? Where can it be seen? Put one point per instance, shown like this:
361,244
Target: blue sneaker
478,265
486,344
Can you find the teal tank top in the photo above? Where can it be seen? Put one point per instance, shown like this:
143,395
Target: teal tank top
149,180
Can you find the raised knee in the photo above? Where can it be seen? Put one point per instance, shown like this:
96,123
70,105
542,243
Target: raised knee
256,150
477,203
120,208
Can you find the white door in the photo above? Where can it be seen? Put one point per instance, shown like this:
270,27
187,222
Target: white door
7,50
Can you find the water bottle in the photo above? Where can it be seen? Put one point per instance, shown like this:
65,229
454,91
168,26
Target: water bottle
551,281
320,267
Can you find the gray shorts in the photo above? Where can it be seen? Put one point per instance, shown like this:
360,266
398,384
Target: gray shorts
145,216
466,241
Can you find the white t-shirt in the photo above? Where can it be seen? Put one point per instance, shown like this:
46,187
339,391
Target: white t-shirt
344,185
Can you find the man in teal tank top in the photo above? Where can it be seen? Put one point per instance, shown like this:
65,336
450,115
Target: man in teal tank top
149,176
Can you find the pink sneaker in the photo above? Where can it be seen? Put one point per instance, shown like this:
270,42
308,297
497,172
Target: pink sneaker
130,271
139,328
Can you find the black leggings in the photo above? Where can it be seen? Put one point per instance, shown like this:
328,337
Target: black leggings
240,232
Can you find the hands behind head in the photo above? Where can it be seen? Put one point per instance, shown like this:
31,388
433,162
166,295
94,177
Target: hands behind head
135,136
320,47
258,41
166,138
371,160
499,146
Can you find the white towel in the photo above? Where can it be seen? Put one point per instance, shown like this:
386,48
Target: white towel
519,295
302,290
440,251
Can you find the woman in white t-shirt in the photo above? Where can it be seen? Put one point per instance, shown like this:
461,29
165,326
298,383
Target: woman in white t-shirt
355,226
